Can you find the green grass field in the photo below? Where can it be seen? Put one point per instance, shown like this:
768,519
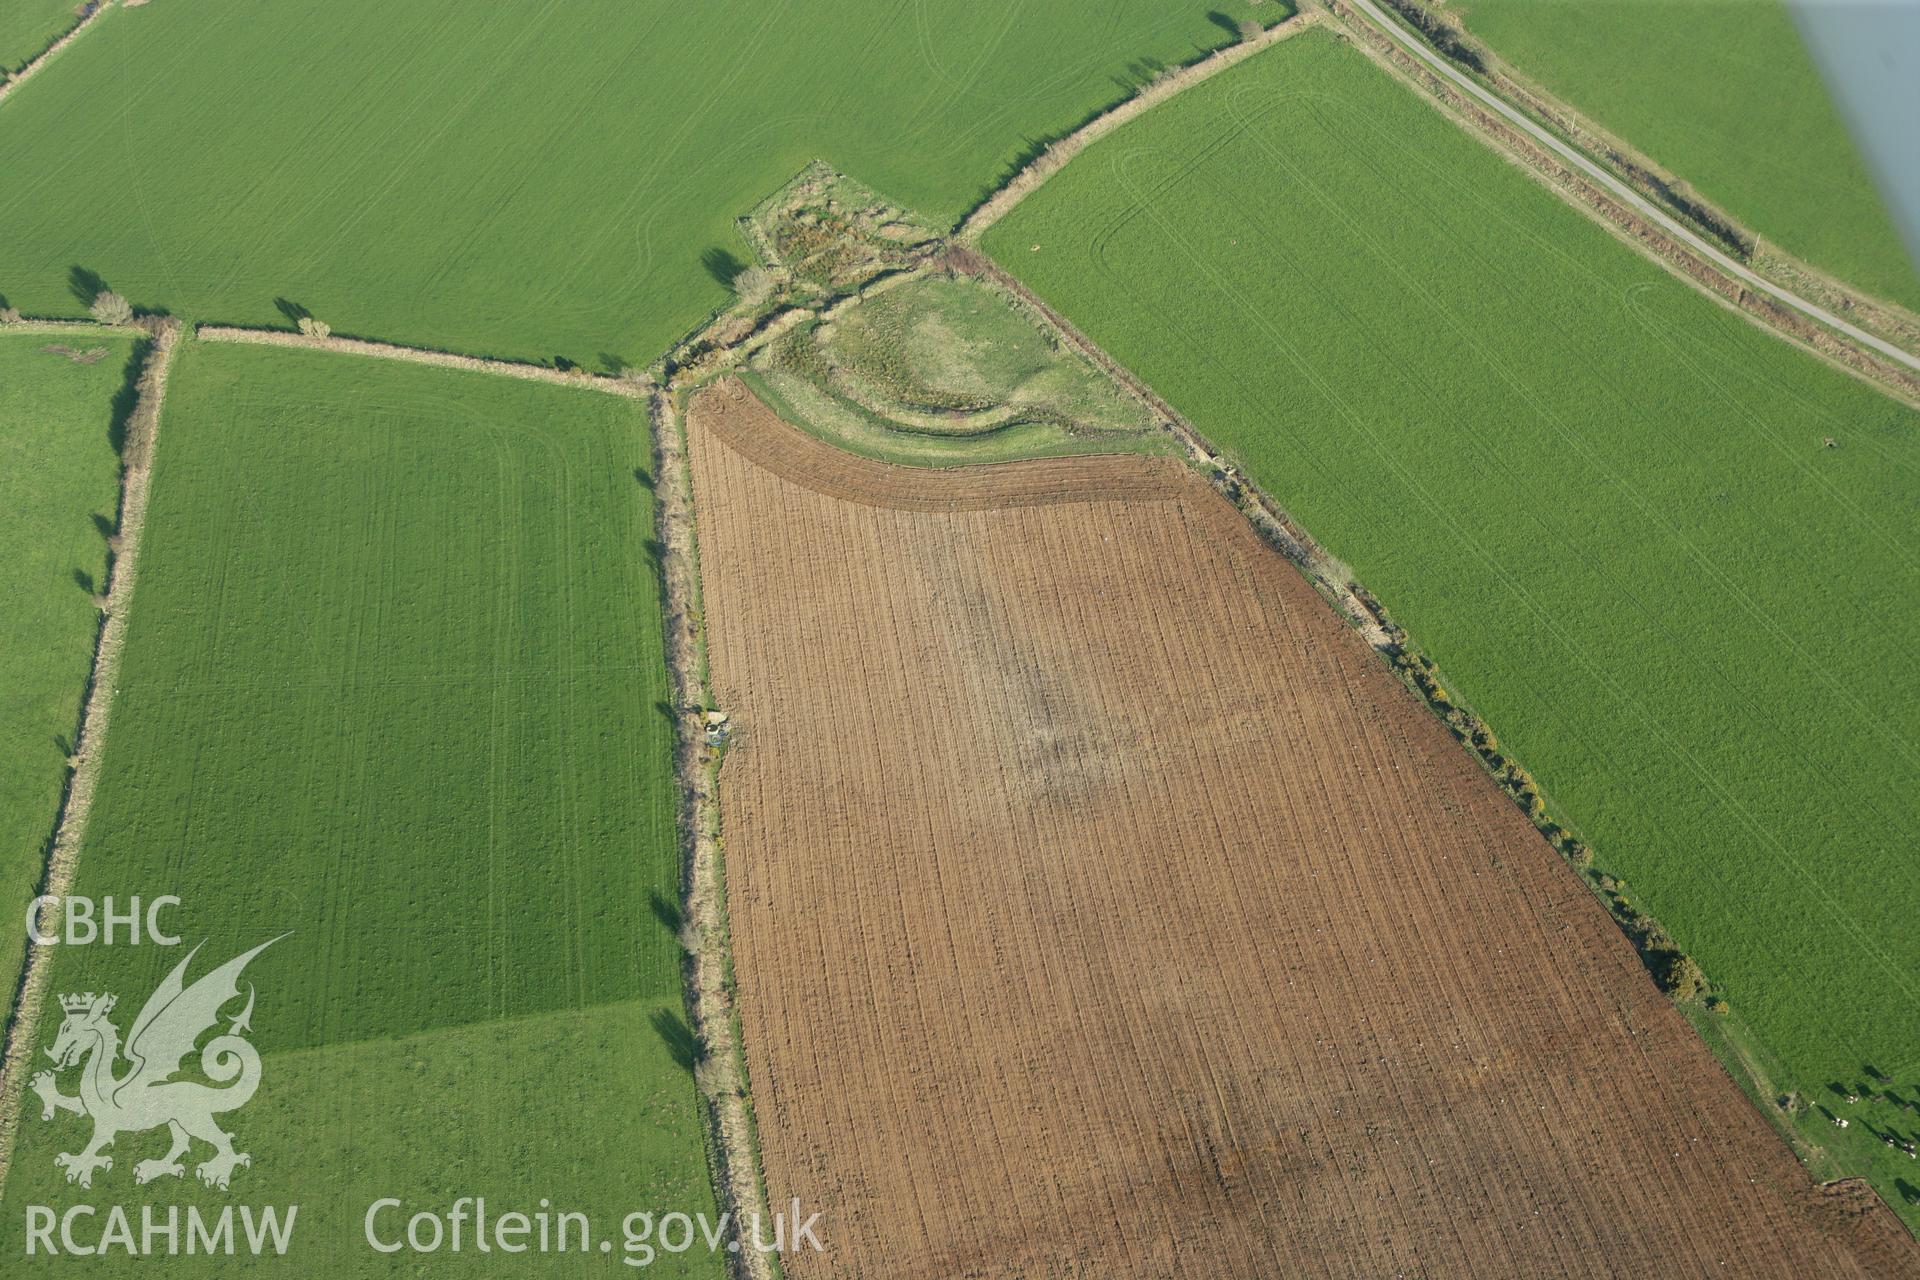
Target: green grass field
393,687
59,493
1600,500
1723,94
521,180
29,26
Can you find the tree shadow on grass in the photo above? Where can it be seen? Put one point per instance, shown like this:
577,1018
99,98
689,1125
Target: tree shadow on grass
666,910
657,561
1140,73
124,400
293,311
722,264
677,1036
86,285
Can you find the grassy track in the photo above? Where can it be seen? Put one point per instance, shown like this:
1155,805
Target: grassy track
1599,499
521,180
1722,93
392,684
28,26
57,486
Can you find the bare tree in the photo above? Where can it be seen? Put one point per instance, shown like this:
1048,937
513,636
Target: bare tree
110,308
753,284
9,315
315,328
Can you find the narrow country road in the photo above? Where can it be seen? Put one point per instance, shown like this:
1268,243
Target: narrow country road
1628,195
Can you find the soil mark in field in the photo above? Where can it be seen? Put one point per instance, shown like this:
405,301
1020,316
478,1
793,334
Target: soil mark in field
1102,906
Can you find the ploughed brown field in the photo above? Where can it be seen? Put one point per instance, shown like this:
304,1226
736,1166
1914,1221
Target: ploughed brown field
1102,907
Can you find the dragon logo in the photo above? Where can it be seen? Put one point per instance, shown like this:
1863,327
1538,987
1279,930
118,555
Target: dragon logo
147,1096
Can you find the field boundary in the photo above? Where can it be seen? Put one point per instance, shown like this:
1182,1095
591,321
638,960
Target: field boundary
699,749
9,83
1031,176
1631,217
15,328
136,472
422,355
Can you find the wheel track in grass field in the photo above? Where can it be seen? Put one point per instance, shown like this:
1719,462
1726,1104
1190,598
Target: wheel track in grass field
135,478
